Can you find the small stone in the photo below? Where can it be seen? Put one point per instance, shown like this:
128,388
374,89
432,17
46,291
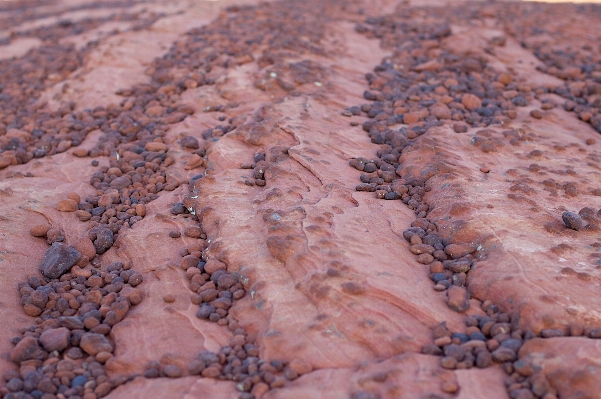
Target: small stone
83,216
459,128
66,205
80,152
193,231
59,259
213,265
595,333
103,241
448,362
14,385
456,251
523,368
103,389
135,279
458,298
551,333
155,146
193,162
74,353
419,249
140,210
367,187
120,183
32,310
471,101
196,367
441,111
93,344
536,114
85,247
189,142
172,371
410,117
212,371
483,359
39,230
27,349
55,339
79,381
572,220
425,259
449,387
174,234
503,354
168,298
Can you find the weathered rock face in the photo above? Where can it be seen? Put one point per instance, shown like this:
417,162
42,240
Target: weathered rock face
341,199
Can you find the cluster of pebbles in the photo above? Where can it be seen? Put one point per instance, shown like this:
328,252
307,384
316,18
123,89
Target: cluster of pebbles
423,85
63,353
28,130
579,66
215,289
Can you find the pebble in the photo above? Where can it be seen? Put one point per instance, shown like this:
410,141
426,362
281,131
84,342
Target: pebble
193,162
537,114
503,354
55,339
471,101
59,259
458,299
172,371
551,333
67,205
39,230
523,368
189,142
460,128
483,359
572,220
448,362
93,344
27,349
155,146
193,231
457,251
104,240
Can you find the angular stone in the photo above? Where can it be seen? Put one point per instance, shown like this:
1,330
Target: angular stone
55,339
59,259
27,349
103,241
503,355
120,183
458,298
93,344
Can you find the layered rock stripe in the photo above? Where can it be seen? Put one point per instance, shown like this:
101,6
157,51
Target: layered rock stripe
320,199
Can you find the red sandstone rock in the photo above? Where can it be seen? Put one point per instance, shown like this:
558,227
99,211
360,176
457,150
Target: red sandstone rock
331,282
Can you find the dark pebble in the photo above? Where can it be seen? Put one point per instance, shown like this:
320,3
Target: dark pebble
572,220
178,209
58,260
